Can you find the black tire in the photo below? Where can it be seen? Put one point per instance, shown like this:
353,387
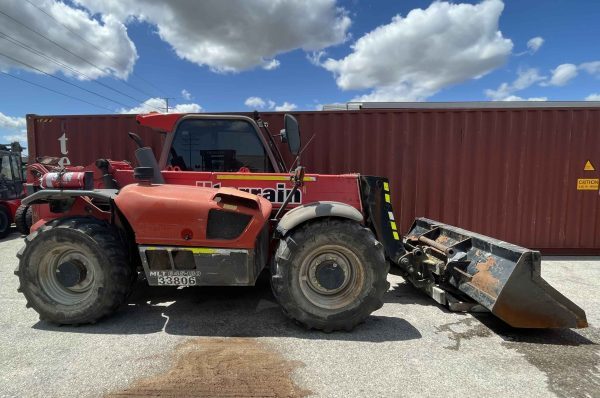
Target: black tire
5,221
87,251
347,299
23,219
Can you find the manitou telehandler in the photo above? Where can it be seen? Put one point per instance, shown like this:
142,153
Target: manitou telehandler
219,207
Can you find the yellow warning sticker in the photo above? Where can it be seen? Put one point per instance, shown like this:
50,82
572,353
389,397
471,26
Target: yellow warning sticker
589,166
587,184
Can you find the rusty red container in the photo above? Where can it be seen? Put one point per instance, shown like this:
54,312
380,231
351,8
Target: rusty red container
526,175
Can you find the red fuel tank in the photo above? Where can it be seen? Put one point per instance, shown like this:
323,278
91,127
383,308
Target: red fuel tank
181,215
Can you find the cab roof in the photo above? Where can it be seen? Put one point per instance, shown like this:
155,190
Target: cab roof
159,121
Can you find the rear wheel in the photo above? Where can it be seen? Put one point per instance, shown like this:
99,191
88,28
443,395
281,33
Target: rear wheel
74,270
330,274
23,219
5,221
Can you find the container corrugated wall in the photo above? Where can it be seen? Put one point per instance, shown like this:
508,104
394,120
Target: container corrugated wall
508,173
88,137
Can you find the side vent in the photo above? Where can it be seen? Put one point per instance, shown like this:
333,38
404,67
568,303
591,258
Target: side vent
225,224
233,200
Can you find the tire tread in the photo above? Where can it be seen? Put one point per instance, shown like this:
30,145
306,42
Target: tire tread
117,278
284,259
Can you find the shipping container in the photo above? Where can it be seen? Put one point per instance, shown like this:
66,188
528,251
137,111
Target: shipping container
524,173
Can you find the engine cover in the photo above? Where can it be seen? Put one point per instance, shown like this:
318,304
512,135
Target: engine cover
197,236
179,215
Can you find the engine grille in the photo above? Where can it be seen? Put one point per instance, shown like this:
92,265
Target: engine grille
225,224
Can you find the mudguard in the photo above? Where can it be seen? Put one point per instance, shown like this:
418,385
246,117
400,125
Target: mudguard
303,213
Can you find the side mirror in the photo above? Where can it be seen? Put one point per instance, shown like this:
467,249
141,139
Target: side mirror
291,135
283,136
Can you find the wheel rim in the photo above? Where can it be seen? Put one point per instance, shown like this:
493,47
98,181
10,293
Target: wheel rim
66,275
331,277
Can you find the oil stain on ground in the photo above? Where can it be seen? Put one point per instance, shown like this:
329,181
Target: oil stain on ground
570,360
465,329
223,367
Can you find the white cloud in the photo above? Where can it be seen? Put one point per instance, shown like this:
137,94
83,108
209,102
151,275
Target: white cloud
273,64
414,57
12,122
315,57
22,138
593,68
234,35
517,98
562,74
151,104
118,54
186,108
593,97
186,95
525,78
254,102
259,103
286,106
16,124
534,44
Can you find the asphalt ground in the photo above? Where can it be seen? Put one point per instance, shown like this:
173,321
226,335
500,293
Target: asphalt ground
236,342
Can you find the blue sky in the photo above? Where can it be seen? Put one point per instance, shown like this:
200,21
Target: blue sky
240,55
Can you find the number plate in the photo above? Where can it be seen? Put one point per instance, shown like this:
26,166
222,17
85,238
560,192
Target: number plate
174,278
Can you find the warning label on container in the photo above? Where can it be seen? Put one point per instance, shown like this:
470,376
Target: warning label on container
587,184
589,166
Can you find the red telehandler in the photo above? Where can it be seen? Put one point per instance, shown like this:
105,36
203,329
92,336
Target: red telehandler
219,206
12,181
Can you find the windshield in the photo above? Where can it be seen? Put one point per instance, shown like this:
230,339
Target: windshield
218,145
10,168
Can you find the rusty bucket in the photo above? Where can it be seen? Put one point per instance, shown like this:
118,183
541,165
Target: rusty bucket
504,278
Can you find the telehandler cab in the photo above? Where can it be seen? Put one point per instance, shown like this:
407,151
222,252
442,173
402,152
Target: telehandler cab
218,207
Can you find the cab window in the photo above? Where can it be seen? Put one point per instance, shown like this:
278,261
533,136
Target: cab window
16,168
6,170
218,145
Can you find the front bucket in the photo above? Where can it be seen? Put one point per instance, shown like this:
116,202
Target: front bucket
504,278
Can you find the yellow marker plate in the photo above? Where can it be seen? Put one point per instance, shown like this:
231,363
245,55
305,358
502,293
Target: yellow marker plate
252,177
587,184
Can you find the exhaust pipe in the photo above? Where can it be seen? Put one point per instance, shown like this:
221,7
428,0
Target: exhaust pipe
502,277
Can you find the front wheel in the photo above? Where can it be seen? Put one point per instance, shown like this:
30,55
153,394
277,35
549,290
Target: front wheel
24,219
330,274
74,271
